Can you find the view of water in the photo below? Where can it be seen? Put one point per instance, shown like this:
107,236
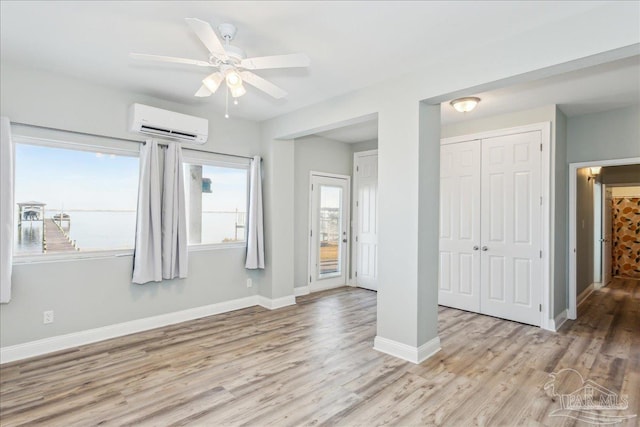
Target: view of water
96,230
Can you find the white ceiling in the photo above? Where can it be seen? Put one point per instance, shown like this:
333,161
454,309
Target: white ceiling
351,44
358,132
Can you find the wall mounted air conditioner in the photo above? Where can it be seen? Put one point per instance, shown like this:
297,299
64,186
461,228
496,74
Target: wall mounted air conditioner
168,124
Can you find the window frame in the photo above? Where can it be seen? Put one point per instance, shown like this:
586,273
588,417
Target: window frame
188,158
18,259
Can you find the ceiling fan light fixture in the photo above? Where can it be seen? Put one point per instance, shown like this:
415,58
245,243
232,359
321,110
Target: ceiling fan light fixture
464,105
238,91
233,79
212,82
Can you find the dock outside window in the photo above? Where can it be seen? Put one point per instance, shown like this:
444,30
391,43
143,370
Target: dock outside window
216,203
72,200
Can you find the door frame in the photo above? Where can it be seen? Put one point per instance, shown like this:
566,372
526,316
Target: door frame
347,213
573,182
353,281
547,162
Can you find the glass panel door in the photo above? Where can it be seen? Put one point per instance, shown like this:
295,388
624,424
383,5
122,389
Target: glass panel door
330,231
329,216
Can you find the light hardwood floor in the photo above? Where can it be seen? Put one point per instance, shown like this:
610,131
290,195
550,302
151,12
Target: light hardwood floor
313,364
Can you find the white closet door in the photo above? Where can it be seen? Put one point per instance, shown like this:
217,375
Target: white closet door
367,222
511,227
459,272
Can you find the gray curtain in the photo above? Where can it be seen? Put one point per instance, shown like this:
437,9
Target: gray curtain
7,209
255,225
161,228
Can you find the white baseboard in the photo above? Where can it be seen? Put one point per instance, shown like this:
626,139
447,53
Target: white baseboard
276,303
588,291
406,352
75,339
302,290
558,321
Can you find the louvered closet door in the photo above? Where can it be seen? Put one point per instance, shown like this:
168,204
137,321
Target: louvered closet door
511,227
459,272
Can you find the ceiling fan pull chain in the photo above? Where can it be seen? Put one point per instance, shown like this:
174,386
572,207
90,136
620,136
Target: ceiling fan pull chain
226,103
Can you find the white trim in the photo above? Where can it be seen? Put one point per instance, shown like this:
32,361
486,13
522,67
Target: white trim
586,293
78,146
273,304
497,132
75,339
556,323
573,170
300,291
406,352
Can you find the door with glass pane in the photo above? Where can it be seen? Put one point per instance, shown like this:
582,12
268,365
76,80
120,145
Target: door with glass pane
328,230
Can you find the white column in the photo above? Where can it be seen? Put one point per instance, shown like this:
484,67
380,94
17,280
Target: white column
408,209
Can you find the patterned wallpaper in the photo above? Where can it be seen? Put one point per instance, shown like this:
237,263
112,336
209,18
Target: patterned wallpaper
626,237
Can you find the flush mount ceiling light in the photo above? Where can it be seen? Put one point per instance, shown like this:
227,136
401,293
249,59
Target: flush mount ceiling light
464,105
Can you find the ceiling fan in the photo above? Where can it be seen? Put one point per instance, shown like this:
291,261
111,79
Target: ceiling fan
231,64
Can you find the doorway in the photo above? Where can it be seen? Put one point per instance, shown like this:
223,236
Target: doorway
328,230
601,242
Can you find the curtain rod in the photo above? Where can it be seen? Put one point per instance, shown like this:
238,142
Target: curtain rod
125,139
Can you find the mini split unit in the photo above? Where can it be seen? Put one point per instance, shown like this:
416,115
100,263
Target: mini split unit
168,124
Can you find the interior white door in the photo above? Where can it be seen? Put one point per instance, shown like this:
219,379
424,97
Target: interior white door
366,223
607,231
511,264
329,207
459,267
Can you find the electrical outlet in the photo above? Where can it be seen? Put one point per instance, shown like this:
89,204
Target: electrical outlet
249,283
47,317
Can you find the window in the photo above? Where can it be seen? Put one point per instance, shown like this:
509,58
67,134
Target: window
70,201
216,199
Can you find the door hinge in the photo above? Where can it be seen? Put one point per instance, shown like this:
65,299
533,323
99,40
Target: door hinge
311,233
309,279
356,274
540,147
540,307
357,203
357,168
356,239
540,200
540,254
311,187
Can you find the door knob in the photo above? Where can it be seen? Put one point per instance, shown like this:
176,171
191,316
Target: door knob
344,240
475,248
484,248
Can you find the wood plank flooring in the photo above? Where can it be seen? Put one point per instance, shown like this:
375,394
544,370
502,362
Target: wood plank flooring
313,364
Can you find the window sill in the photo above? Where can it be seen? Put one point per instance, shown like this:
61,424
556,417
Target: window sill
75,256
216,246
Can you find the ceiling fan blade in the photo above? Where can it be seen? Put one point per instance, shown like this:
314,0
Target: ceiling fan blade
206,34
276,61
262,84
203,92
159,58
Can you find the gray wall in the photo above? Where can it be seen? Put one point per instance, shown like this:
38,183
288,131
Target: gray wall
371,144
560,228
312,153
98,292
608,135
585,232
